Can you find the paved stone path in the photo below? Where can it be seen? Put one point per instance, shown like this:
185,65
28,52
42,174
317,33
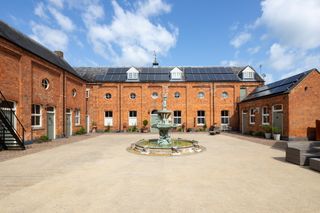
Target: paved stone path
99,175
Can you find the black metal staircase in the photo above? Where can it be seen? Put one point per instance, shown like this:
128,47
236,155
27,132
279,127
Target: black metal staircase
10,138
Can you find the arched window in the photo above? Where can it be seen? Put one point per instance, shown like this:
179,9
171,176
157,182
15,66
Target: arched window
201,95
154,95
74,93
177,94
224,95
154,111
108,96
133,96
45,83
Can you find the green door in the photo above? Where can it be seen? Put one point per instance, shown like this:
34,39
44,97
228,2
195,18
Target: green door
68,125
50,125
277,120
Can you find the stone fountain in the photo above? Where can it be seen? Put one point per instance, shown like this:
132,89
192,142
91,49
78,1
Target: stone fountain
165,145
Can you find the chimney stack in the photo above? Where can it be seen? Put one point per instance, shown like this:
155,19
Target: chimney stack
59,53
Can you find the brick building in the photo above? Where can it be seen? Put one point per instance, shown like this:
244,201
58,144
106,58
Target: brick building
123,97
42,95
42,89
291,104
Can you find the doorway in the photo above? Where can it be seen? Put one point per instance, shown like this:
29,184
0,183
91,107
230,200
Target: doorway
277,117
51,123
68,123
244,122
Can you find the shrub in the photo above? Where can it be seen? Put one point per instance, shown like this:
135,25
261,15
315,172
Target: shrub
43,138
145,123
81,131
204,127
276,130
133,129
189,130
267,128
258,134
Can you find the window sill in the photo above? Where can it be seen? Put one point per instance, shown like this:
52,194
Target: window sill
37,128
200,124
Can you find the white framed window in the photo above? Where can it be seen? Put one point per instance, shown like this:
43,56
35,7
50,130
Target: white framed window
133,95
277,108
201,95
45,83
77,117
252,116
224,95
108,96
176,74
36,117
132,118
132,74
201,117
87,93
177,117
74,92
177,94
225,118
108,118
248,73
154,95
265,116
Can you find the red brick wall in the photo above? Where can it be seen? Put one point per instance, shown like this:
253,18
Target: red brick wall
304,107
21,74
259,103
188,103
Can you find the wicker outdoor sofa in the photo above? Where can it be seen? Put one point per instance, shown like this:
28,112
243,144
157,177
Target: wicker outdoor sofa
300,152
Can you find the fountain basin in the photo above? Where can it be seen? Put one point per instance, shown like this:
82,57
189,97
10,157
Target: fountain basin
177,147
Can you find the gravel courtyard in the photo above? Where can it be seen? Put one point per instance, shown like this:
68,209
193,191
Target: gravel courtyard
99,175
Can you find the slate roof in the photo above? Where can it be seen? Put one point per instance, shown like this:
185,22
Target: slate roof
23,41
283,86
162,74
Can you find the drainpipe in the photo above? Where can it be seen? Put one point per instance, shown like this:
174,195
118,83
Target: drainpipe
64,104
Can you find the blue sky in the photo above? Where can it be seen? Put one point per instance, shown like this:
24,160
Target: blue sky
280,35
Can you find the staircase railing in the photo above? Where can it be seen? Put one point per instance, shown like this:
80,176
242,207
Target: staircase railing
9,118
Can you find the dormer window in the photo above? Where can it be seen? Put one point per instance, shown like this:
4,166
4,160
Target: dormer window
248,74
176,74
133,74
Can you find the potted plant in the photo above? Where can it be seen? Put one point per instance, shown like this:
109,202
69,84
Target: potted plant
267,131
276,133
144,128
94,127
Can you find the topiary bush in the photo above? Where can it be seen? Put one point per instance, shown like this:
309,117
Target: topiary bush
81,131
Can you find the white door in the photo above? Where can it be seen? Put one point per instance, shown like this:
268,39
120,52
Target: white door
133,118
108,118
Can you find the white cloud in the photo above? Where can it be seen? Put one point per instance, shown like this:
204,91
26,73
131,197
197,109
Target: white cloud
57,3
39,10
64,21
49,37
280,57
240,39
268,78
295,22
233,63
131,37
152,7
254,50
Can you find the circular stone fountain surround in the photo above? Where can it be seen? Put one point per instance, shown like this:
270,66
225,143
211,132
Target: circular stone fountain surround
164,145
